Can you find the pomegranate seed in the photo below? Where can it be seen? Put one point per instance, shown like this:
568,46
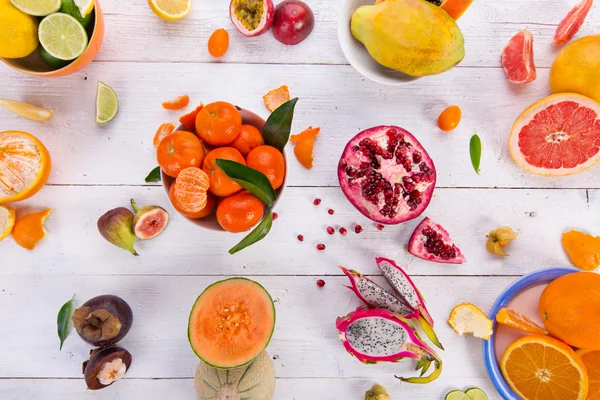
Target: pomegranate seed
301,238
330,211
320,283
320,246
380,227
358,229
275,215
343,231
317,201
330,230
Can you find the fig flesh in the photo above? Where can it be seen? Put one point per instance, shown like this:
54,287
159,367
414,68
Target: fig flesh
106,366
149,221
251,17
103,320
293,22
116,226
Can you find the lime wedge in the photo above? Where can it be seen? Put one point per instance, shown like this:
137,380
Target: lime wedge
456,395
39,8
476,394
107,103
62,36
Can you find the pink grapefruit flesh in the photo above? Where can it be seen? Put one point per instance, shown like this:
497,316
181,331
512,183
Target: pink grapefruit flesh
569,26
517,58
558,135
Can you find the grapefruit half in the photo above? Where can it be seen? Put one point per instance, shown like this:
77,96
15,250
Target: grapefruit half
558,135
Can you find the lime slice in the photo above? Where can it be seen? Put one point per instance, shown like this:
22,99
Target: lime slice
456,395
107,103
476,394
62,36
68,7
85,7
39,8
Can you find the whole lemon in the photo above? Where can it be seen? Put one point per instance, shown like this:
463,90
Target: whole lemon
577,68
18,31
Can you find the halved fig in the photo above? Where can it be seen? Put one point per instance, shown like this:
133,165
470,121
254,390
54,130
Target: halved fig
103,320
106,366
149,221
252,17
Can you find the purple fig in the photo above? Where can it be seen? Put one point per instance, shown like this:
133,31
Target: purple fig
103,320
116,226
149,221
106,366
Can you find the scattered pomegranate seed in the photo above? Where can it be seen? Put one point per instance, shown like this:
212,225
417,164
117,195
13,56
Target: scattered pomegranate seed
320,246
380,227
343,231
330,230
317,201
358,229
301,238
275,215
330,211
320,283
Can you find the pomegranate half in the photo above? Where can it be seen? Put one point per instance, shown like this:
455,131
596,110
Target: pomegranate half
252,17
387,175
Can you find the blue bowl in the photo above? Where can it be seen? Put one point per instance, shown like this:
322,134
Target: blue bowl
489,351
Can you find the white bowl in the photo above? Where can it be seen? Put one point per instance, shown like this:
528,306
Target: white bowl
357,54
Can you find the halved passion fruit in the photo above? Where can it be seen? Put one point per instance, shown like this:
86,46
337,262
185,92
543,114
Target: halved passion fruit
252,17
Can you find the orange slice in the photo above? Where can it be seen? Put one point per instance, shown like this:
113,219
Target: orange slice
7,220
29,229
24,166
591,359
276,97
583,249
163,130
177,103
467,318
27,110
516,320
542,368
305,143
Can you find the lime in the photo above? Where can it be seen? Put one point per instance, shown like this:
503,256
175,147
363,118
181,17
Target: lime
68,7
456,395
107,103
476,394
39,8
52,62
62,36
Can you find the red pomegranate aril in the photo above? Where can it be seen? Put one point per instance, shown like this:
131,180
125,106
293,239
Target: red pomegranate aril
330,230
358,229
301,238
317,201
275,216
330,211
380,227
320,283
343,231
320,246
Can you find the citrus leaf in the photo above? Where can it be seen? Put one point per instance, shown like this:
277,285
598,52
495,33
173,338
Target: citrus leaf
63,319
475,151
250,179
279,125
256,235
154,175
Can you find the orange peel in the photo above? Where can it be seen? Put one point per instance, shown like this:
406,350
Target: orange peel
7,220
163,131
583,249
305,143
189,120
516,320
29,229
276,97
468,318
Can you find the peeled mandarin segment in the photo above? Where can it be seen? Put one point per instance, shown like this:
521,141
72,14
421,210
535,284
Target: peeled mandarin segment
190,189
177,103
27,110
29,229
189,120
467,318
7,220
583,249
514,319
276,97
163,130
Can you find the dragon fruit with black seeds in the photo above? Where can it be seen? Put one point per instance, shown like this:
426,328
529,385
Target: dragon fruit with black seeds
379,335
431,242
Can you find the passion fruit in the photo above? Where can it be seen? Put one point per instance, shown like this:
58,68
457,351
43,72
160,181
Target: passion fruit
252,17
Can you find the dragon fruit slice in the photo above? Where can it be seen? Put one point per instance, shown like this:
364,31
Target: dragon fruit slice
379,335
431,242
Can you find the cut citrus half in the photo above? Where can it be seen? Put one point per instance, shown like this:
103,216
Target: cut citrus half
456,8
456,395
85,7
591,360
516,320
24,166
570,25
29,229
583,249
467,318
540,368
558,135
36,7
62,36
171,10
7,220
476,394
517,58
26,110
107,103
276,97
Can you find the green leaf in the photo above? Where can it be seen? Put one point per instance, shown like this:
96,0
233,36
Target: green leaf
475,151
250,179
63,320
256,235
279,125
154,175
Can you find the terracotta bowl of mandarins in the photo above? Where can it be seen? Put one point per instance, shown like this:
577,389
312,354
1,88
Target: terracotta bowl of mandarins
197,188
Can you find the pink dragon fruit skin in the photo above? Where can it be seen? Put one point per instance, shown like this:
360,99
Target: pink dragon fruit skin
379,335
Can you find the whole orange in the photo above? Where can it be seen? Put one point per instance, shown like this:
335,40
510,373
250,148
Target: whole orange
220,184
239,212
269,161
570,309
178,151
218,124
248,139
181,209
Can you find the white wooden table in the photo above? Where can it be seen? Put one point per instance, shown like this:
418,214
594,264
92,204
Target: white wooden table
96,168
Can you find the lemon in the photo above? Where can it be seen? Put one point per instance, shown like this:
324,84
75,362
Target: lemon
63,36
18,31
85,7
107,103
171,10
577,68
39,8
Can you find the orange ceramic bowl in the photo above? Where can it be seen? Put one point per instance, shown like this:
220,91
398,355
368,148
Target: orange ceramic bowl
33,64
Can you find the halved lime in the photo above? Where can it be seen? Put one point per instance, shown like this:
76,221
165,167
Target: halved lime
62,36
107,103
69,7
476,394
39,8
456,395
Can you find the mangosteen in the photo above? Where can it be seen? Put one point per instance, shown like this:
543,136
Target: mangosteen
106,366
103,320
